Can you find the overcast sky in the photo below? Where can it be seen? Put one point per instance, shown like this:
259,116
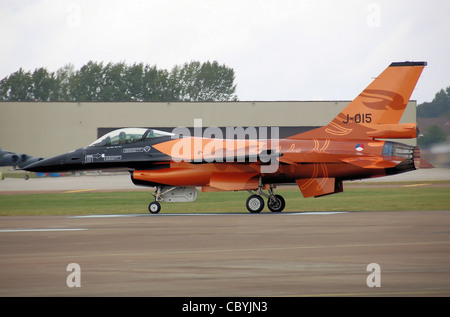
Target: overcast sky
279,49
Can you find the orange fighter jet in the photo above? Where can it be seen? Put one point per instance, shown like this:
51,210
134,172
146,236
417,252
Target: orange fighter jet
350,147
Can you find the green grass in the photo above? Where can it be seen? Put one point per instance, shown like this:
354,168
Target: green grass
372,198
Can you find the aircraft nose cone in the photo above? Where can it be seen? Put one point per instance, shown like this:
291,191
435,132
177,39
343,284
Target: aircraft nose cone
52,164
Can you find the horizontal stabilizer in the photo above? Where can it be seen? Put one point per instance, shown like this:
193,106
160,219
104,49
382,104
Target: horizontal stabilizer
425,164
393,131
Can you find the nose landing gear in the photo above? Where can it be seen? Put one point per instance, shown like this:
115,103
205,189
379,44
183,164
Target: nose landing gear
171,194
154,207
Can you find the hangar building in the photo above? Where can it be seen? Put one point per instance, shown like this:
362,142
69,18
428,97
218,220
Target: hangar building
50,128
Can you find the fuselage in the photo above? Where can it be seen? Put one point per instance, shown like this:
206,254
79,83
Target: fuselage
292,160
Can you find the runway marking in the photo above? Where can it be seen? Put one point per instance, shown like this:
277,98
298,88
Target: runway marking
79,191
320,213
40,230
107,216
141,215
415,185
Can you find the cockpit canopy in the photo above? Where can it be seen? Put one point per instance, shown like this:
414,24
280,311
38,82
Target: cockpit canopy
128,135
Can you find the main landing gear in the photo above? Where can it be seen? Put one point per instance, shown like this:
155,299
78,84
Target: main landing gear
255,203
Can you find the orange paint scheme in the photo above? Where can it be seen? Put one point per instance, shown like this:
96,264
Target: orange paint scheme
381,103
393,131
306,162
224,176
317,160
195,148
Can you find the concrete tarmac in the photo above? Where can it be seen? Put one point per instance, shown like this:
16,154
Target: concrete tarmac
287,254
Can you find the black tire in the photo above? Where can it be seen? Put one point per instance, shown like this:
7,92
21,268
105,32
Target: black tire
276,205
255,204
154,207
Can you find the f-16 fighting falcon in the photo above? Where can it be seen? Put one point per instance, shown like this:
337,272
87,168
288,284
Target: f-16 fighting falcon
352,146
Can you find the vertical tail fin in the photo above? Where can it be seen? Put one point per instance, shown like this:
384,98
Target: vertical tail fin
379,107
385,99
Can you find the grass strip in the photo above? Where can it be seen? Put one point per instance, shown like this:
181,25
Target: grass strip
352,199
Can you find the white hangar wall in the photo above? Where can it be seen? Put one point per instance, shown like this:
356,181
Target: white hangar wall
50,128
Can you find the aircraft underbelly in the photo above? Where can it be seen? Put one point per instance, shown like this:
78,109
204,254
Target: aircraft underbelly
219,176
174,176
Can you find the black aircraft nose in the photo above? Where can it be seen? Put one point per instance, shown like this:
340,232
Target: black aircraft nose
52,164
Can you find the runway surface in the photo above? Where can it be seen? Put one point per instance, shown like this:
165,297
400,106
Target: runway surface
288,254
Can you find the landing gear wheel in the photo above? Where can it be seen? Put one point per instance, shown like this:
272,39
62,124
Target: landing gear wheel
276,204
154,207
255,204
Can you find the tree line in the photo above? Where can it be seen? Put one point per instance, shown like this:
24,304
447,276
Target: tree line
119,82
438,107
